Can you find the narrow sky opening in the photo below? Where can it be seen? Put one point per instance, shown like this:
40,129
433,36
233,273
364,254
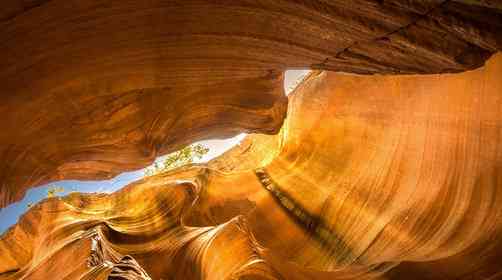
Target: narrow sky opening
10,214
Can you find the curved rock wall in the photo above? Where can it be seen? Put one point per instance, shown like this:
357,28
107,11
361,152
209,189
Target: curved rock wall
89,236
91,89
376,177
399,169
397,176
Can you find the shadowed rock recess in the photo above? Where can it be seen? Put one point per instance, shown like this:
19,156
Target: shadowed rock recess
383,176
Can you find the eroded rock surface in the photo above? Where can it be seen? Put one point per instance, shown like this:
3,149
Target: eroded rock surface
374,177
91,89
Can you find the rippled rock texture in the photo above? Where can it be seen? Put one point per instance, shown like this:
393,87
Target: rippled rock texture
93,88
371,177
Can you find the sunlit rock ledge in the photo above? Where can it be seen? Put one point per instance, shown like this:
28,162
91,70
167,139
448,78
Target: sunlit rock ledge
372,177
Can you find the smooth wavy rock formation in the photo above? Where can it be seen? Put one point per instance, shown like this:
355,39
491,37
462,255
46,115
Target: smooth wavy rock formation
372,177
91,88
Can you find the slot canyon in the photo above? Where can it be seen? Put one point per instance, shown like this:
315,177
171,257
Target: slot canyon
385,162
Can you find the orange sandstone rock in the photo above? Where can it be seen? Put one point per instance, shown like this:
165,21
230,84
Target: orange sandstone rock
375,177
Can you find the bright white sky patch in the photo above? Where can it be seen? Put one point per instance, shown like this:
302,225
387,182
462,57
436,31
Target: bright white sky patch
292,78
218,147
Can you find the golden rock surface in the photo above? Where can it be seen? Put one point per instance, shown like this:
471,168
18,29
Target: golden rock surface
92,88
372,177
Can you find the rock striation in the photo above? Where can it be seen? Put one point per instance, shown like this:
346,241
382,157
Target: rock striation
91,89
371,177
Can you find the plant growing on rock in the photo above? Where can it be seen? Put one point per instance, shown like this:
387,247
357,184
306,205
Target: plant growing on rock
179,158
53,191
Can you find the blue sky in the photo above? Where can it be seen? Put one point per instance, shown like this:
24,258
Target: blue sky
10,214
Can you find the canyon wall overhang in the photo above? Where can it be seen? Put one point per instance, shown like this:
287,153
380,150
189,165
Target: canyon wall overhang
371,177
91,89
